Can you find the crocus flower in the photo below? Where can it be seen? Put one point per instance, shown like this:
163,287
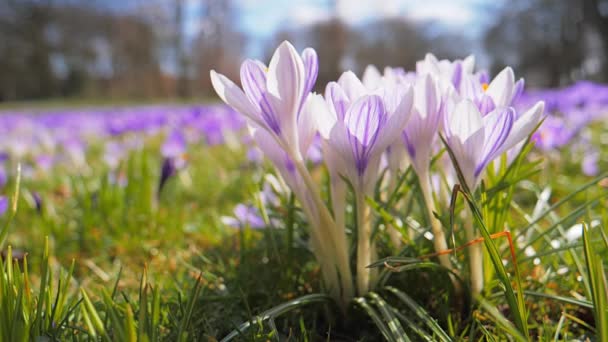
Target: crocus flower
421,131
37,201
273,96
167,170
476,140
358,128
113,153
447,72
174,145
363,125
245,216
589,166
502,91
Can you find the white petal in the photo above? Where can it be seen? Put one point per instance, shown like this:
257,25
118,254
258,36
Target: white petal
501,88
234,96
524,125
342,154
426,95
465,120
372,78
314,107
468,64
398,118
467,155
351,85
286,82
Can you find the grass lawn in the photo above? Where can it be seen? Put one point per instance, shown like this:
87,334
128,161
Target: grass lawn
103,255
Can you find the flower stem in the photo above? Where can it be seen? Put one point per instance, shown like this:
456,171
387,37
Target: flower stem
337,237
393,233
475,256
439,240
364,251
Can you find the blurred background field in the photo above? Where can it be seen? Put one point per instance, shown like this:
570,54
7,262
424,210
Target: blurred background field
163,49
128,161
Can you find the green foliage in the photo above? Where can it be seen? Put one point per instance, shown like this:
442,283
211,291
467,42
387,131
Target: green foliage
107,260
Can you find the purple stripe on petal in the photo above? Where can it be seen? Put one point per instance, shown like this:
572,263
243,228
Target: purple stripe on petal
486,105
337,99
311,70
364,121
253,79
497,129
311,67
411,149
457,74
268,114
518,90
484,77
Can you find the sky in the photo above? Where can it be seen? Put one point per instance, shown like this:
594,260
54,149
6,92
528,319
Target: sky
260,19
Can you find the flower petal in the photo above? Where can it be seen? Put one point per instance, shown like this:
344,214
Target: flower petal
524,125
372,78
253,79
234,96
364,120
426,96
353,88
501,88
311,68
497,125
307,123
337,100
398,104
464,121
286,83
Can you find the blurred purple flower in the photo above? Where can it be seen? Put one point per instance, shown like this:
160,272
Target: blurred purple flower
167,171
3,205
37,201
245,216
44,162
589,165
174,145
3,177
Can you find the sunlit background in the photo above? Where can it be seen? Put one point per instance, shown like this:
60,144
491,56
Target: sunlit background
157,49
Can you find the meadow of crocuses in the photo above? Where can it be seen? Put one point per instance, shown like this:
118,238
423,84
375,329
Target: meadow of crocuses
437,204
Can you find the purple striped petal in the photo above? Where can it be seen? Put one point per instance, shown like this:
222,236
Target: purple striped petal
486,105
484,77
457,74
311,69
253,79
337,99
364,121
519,89
269,114
498,125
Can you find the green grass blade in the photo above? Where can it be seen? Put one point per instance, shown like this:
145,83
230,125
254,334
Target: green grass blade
182,334
13,210
599,286
373,314
421,313
279,310
502,322
583,303
393,322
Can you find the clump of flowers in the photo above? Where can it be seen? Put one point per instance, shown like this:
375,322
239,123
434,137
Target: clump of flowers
371,128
